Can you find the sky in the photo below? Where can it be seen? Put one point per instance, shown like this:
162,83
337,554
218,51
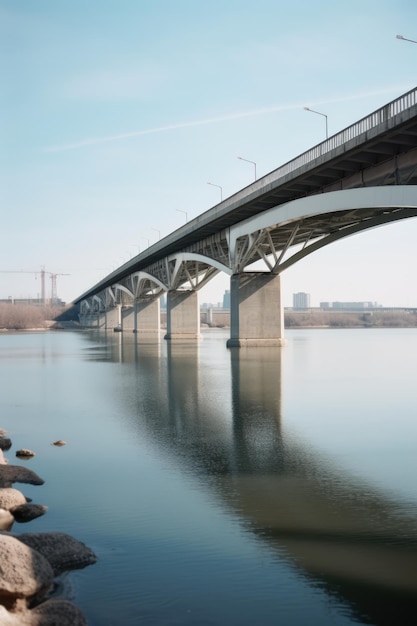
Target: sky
115,114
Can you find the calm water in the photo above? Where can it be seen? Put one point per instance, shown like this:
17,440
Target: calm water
225,487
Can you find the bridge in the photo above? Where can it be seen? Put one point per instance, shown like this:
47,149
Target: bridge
360,178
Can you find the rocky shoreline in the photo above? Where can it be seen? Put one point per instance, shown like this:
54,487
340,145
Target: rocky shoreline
31,563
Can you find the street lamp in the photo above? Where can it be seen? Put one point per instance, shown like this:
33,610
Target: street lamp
247,161
157,231
185,213
146,239
318,113
405,38
221,189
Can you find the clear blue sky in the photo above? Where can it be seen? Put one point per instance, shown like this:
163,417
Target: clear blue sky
116,113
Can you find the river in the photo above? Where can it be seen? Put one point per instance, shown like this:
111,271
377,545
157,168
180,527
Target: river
224,486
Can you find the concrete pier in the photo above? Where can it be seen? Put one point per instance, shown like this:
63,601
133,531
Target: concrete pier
256,313
114,317
148,317
127,318
183,315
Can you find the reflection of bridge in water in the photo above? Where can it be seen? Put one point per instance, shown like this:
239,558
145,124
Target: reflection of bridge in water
342,535
362,177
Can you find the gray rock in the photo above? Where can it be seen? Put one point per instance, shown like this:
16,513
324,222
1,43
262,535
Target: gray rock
53,612
10,474
27,512
5,443
61,550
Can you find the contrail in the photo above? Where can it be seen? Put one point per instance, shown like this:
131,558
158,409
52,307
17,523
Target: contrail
89,141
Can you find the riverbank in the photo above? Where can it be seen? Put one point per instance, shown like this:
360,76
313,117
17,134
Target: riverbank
313,318
33,318
29,317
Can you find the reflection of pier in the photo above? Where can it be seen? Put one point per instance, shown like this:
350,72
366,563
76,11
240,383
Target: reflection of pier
224,423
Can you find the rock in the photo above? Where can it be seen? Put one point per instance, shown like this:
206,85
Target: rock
3,461
10,498
53,612
24,573
10,474
49,613
24,453
13,619
62,551
6,521
27,512
59,442
5,443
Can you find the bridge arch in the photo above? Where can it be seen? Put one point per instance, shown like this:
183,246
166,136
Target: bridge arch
144,280
360,209
193,269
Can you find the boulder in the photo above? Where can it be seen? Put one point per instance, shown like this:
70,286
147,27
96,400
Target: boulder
10,474
27,512
25,453
5,443
54,612
61,550
49,613
6,521
10,498
13,619
24,572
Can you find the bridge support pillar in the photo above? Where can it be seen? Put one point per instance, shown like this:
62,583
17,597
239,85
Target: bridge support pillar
128,318
147,317
256,313
101,319
183,315
113,317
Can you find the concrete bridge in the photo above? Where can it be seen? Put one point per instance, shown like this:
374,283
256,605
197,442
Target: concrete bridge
360,178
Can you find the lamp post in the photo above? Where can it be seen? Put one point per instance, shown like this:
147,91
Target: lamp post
185,213
318,113
248,161
405,38
146,239
157,231
218,186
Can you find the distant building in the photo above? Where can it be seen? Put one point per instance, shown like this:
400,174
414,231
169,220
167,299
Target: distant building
301,300
226,299
349,306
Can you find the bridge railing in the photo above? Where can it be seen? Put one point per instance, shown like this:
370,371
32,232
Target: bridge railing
373,120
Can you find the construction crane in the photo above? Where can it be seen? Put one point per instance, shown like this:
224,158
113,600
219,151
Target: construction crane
42,273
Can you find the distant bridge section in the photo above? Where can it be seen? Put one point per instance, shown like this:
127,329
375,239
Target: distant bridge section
363,177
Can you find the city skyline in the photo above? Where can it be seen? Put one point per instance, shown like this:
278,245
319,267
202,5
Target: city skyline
113,122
